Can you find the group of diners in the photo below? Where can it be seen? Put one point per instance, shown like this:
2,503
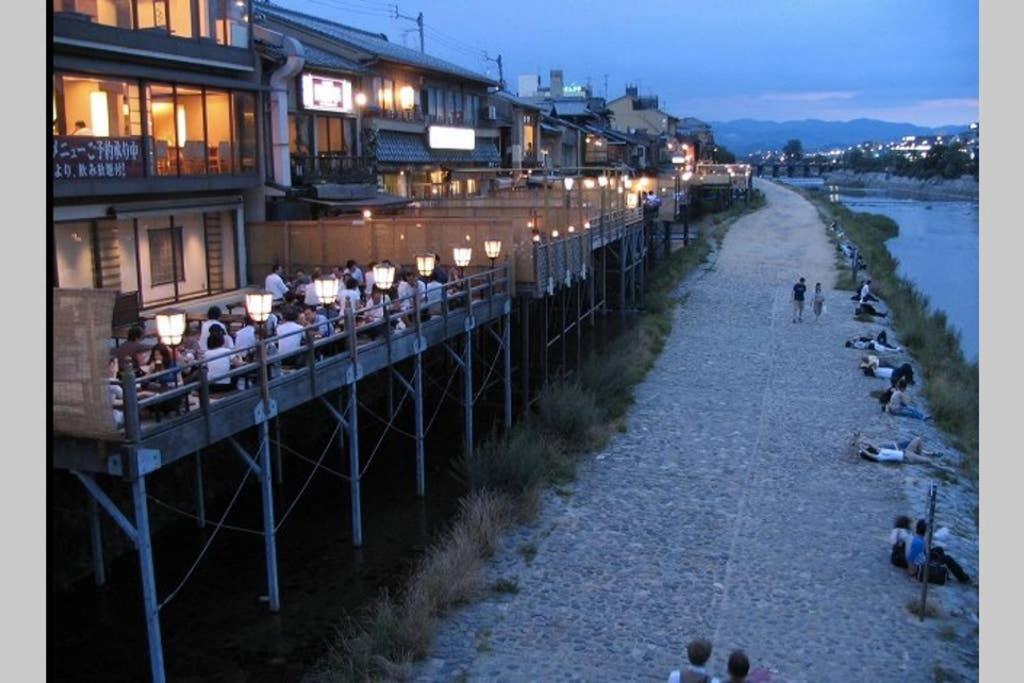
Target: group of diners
297,320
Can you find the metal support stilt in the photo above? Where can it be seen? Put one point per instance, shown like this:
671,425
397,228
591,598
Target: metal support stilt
200,494
467,396
506,342
545,348
278,465
353,465
421,476
622,276
145,550
563,294
269,541
96,543
526,365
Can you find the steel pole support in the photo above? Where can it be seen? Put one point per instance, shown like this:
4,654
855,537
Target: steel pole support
200,495
467,374
421,476
96,543
145,550
353,465
269,540
506,342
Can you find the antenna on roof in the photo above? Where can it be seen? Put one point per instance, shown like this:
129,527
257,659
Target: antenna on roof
417,19
501,70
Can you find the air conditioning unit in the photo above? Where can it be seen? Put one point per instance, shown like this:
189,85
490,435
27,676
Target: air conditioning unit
490,113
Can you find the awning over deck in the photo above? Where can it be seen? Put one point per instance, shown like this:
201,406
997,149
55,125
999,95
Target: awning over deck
411,148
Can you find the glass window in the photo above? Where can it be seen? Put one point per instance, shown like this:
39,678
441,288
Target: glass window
163,129
190,122
330,135
107,12
180,12
91,107
218,132
386,96
152,13
236,13
293,135
244,108
73,247
166,257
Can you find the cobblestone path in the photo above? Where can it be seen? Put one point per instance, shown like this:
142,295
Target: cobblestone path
730,509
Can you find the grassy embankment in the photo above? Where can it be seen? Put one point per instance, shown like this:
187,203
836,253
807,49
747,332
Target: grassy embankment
506,473
950,381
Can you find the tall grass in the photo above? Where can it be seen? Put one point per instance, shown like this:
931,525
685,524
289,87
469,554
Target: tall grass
504,475
950,380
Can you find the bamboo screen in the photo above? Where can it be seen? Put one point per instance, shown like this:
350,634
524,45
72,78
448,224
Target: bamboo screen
81,331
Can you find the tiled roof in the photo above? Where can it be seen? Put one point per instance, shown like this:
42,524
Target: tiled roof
327,60
501,94
375,44
410,148
571,108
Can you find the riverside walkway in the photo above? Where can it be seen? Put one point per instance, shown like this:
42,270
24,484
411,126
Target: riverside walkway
730,509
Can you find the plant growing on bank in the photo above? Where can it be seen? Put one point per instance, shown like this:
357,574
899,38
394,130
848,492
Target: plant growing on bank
504,475
950,381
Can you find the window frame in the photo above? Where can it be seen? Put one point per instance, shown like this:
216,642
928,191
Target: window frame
177,244
215,10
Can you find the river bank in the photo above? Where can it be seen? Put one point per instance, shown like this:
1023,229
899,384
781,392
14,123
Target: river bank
715,514
919,188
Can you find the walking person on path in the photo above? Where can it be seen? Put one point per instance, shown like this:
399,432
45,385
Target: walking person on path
798,300
819,301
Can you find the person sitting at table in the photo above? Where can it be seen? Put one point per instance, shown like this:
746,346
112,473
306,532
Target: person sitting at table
310,298
191,350
434,295
133,351
218,363
356,273
161,359
315,317
349,298
373,312
245,342
409,286
369,279
275,283
213,315
290,334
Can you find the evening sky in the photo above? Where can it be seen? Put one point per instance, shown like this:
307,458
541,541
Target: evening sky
897,60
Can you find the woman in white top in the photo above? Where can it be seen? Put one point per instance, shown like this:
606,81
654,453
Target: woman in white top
349,298
218,363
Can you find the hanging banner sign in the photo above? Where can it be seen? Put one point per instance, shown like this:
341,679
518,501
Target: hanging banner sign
77,157
324,93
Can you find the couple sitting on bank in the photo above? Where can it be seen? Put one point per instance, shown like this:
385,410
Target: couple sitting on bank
908,551
738,668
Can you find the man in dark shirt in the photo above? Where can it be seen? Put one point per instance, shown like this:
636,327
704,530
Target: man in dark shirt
133,350
798,300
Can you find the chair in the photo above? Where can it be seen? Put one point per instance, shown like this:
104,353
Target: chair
194,154
224,154
163,157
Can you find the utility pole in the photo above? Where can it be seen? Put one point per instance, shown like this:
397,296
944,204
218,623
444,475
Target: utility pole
417,19
501,70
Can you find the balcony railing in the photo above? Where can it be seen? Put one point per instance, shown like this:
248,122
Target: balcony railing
330,168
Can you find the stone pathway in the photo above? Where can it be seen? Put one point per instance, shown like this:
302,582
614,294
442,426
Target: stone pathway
730,509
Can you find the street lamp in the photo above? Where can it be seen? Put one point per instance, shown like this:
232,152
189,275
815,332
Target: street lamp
326,290
493,250
572,229
170,327
568,182
383,276
258,306
554,234
367,214
425,264
586,225
462,256
588,183
602,181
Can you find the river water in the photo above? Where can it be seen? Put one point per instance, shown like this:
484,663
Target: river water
937,249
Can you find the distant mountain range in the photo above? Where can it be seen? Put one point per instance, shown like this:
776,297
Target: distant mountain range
745,136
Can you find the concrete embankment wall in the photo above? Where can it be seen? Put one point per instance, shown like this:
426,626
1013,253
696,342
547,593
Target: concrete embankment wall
965,187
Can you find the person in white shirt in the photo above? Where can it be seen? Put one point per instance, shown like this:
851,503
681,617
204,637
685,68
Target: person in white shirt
275,283
409,285
213,320
218,363
355,271
245,342
368,278
434,292
293,330
310,298
349,298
